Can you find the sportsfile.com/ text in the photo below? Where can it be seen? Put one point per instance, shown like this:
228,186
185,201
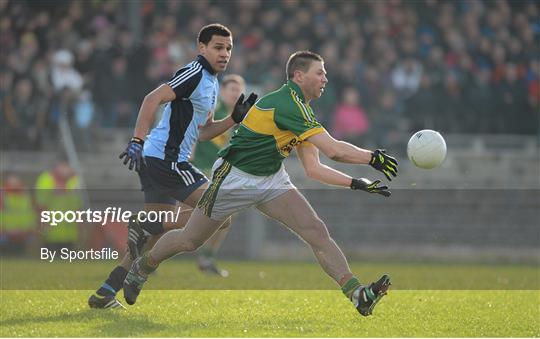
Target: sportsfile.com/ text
109,215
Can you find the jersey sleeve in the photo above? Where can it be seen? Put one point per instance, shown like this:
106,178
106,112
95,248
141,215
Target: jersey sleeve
186,80
299,119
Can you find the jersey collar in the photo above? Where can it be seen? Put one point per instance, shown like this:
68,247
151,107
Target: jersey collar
205,64
294,86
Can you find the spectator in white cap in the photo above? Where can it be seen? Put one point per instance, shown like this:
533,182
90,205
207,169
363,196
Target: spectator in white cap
63,75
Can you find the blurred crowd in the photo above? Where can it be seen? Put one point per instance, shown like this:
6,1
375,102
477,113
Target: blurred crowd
23,227
20,206
463,66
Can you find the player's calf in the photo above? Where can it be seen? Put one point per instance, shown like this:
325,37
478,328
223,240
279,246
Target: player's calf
136,237
139,232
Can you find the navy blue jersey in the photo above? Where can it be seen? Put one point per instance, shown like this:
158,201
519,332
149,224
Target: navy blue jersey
196,87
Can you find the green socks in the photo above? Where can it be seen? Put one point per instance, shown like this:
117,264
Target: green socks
349,287
145,265
207,252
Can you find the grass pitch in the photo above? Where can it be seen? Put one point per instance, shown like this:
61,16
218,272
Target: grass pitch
270,303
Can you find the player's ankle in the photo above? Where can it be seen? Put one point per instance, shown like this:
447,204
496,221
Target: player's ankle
148,264
350,286
207,253
344,278
104,292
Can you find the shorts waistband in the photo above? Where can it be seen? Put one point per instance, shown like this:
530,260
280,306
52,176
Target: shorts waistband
238,171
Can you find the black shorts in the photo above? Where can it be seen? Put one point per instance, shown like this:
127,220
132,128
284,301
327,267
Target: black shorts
165,182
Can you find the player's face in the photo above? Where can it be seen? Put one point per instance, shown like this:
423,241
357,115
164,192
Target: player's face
231,92
315,80
217,52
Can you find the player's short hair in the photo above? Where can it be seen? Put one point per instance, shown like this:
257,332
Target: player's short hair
300,61
206,33
233,78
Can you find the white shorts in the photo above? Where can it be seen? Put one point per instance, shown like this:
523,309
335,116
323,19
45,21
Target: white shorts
233,190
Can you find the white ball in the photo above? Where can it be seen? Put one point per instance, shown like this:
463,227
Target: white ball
426,149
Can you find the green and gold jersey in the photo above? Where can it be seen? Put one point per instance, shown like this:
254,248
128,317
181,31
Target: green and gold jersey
206,151
273,126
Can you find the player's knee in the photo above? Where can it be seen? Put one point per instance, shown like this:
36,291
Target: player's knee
226,224
191,245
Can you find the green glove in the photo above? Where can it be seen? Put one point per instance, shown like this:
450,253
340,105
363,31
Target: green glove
384,163
370,187
242,107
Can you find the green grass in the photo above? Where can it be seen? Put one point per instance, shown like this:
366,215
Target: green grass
167,313
265,299
247,275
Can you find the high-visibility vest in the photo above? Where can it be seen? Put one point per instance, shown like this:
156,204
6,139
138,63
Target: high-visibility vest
52,198
17,211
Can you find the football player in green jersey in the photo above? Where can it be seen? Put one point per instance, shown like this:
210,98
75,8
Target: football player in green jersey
250,172
206,154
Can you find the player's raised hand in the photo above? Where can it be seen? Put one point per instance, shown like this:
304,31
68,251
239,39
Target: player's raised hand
370,187
242,107
133,154
384,163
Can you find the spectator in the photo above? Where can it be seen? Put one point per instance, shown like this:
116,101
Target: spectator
406,77
511,99
350,120
83,117
64,76
56,190
19,220
24,117
479,97
120,110
452,110
387,122
67,83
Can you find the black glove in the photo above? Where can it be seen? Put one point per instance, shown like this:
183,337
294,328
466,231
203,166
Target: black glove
370,187
133,153
384,163
242,107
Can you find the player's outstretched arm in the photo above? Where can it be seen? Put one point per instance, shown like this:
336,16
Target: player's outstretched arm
309,157
314,169
340,150
214,128
348,153
133,152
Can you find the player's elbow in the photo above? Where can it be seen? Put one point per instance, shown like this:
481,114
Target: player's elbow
334,154
151,99
312,172
203,136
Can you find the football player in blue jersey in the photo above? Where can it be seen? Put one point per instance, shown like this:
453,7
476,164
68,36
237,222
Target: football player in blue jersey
161,157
